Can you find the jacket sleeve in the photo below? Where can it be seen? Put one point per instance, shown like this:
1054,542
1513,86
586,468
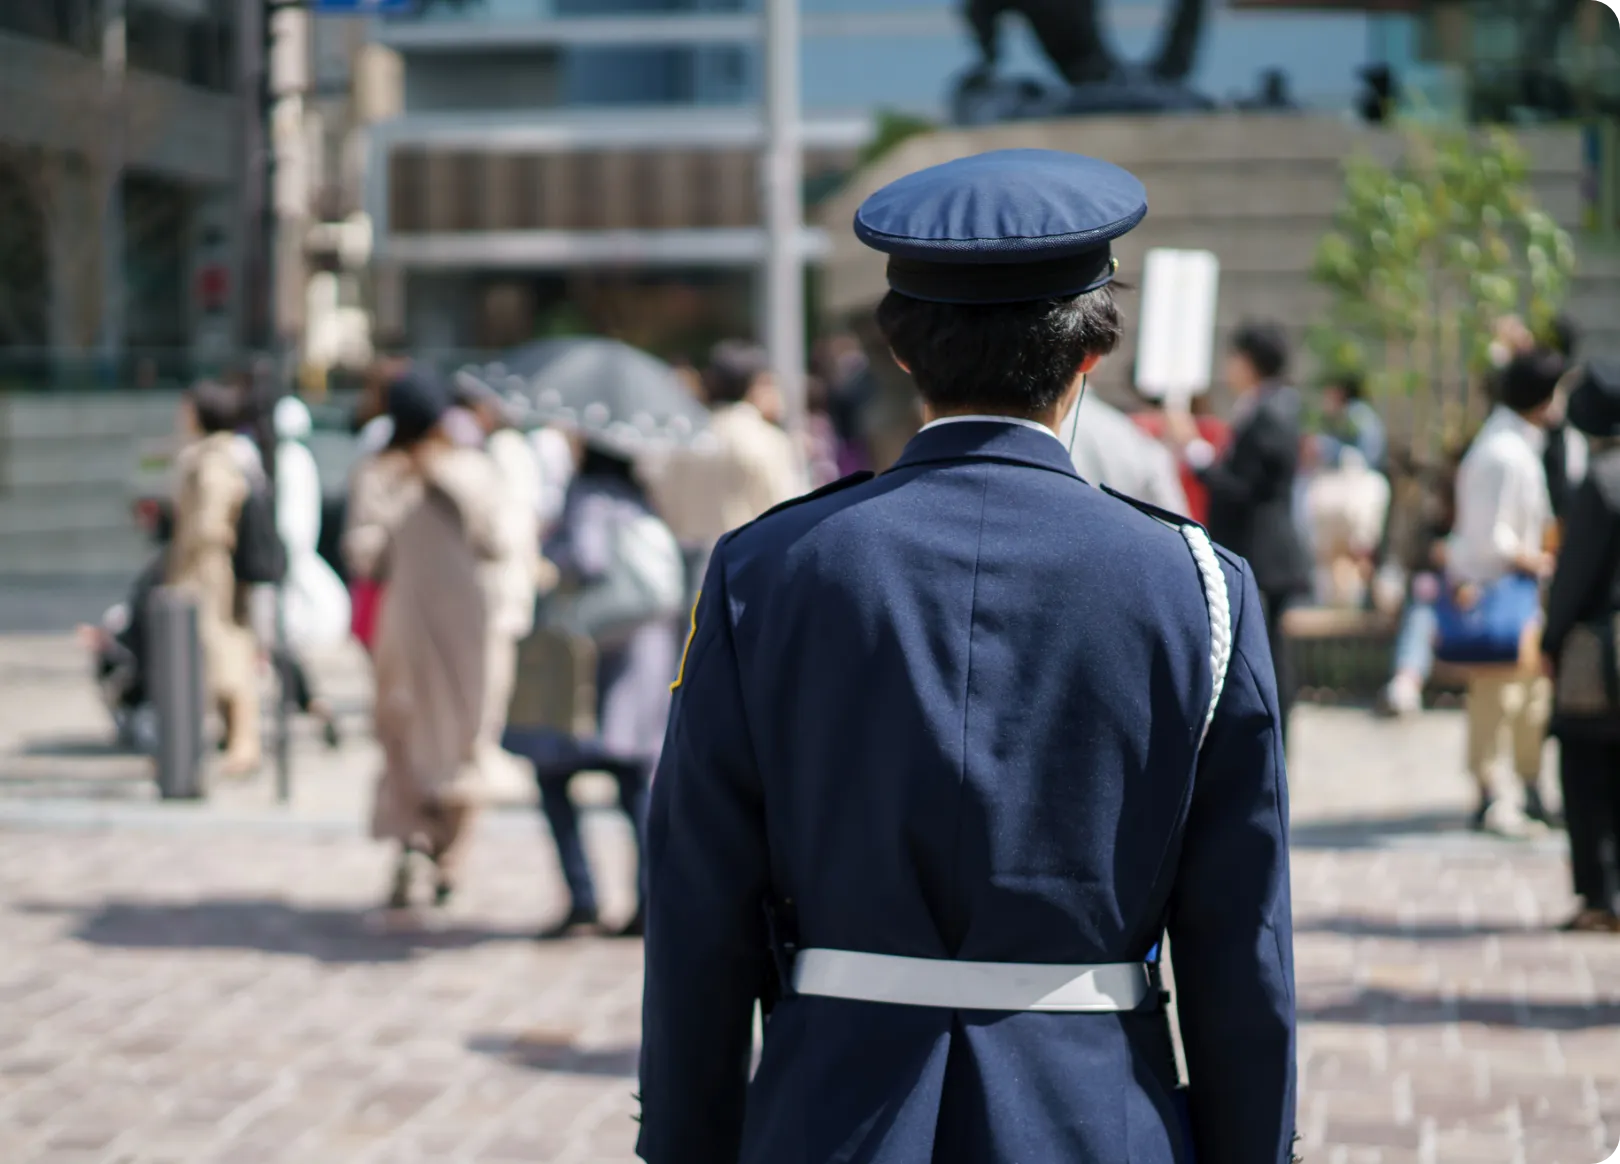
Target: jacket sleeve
706,953
1588,548
365,536
1231,930
1254,467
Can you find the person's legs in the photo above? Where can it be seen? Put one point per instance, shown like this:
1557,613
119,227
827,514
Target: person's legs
632,780
449,825
294,682
576,867
1414,658
243,748
1528,705
1590,816
556,757
1485,715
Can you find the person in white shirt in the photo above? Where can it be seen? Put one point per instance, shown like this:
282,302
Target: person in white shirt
1504,515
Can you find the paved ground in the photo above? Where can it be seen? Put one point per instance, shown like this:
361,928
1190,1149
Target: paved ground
204,983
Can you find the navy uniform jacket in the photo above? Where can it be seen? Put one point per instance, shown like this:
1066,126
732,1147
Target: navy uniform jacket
953,712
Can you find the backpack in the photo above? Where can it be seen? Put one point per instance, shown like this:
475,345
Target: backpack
260,558
645,582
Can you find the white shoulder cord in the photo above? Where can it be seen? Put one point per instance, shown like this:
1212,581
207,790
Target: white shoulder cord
1220,616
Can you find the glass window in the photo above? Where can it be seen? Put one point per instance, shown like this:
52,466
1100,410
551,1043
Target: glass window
74,23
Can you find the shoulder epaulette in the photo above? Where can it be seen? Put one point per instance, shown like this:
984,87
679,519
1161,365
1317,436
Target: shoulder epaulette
1163,515
833,487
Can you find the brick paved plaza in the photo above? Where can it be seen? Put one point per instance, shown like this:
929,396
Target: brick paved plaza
206,984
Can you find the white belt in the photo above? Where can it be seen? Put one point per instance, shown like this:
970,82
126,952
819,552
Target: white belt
955,985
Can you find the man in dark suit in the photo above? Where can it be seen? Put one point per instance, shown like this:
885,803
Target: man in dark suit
953,748
1251,485
1584,603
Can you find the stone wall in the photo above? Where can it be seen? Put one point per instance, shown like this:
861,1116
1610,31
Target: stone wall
1259,190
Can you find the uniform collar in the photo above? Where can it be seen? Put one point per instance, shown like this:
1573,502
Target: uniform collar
992,438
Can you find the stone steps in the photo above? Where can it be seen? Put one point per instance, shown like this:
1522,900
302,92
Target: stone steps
70,466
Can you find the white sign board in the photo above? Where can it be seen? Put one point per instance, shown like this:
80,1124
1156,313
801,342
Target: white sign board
1175,344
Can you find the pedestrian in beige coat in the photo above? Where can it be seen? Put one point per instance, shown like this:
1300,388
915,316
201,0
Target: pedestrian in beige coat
742,465
512,581
212,482
433,640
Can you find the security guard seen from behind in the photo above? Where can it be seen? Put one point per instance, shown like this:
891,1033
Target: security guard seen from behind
954,748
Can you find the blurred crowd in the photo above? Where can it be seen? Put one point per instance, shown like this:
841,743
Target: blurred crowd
523,590
1503,567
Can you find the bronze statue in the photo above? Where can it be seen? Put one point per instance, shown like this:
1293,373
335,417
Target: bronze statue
1069,35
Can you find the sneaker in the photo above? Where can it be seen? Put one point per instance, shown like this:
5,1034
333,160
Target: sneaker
1506,819
1400,697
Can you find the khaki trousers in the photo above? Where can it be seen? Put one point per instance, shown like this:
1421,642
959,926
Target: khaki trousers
1510,701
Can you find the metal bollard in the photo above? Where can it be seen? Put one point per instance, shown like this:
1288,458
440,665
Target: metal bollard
175,653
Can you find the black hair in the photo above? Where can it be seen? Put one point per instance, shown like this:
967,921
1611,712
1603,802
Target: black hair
220,406
598,462
1349,385
733,367
1263,345
1012,358
1530,379
1563,336
417,400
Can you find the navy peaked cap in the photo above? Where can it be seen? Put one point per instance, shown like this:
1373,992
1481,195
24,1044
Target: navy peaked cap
1008,226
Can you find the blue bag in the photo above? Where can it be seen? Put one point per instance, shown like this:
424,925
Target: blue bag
1490,630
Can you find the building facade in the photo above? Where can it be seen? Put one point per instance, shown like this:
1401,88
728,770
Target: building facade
563,164
118,174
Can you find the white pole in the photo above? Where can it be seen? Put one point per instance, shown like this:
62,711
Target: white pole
113,62
784,208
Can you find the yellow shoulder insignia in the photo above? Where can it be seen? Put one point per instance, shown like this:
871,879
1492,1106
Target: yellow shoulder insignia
690,635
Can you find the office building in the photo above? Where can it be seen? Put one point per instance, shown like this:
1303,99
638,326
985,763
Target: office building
562,164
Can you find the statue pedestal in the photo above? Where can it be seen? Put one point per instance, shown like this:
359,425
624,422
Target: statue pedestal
980,101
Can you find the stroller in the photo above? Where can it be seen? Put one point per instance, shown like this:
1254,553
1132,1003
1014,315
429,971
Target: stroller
117,644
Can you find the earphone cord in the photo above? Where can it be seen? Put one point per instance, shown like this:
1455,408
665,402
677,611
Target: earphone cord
1074,424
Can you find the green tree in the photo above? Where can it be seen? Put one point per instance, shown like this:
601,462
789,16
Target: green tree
1424,257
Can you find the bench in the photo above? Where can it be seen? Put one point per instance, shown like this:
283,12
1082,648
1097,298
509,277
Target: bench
1346,656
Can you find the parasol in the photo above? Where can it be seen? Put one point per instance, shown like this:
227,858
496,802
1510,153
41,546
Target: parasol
609,391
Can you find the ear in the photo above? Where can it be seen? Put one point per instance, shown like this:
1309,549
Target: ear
901,364
1089,364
